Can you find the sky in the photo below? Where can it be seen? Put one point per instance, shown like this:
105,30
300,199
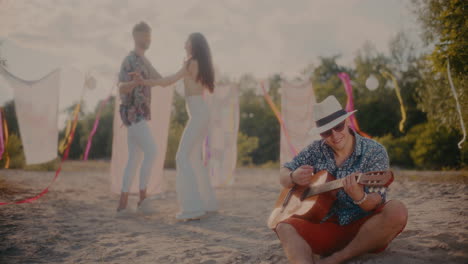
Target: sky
261,37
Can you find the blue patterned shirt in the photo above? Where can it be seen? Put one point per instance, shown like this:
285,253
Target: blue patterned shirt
136,105
368,155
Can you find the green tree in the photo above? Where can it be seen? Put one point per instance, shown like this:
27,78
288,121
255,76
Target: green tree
325,79
378,111
11,119
436,148
245,146
81,131
445,28
14,150
101,147
445,25
257,120
179,117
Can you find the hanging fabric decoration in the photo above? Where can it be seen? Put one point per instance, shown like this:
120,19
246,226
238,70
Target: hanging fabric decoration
457,103
350,103
161,103
297,100
292,150
398,93
57,173
36,104
220,148
95,126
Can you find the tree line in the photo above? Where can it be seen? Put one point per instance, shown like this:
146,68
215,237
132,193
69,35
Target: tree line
431,131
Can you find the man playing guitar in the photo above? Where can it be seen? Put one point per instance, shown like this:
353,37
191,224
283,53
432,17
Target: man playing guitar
359,221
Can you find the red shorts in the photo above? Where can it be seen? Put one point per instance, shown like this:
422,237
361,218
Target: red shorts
329,237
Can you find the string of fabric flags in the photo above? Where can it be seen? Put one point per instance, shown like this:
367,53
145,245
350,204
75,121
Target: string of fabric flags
65,145
57,172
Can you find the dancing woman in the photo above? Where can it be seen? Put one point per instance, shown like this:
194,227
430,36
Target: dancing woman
194,191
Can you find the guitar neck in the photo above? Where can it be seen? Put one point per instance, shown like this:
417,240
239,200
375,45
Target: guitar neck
375,179
326,187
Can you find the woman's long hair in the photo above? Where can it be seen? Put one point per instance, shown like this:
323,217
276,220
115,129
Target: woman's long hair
202,54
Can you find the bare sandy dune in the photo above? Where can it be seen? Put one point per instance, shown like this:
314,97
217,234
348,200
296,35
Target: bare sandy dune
75,222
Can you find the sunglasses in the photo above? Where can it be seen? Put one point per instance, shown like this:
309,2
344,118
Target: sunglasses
337,128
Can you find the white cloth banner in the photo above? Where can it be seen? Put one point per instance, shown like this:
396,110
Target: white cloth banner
36,105
221,144
297,102
161,102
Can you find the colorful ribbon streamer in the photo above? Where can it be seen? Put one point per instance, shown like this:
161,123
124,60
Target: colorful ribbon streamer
89,83
350,103
57,172
95,126
71,126
277,113
457,103
398,93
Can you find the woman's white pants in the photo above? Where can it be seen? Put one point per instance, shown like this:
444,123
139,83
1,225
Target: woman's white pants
194,191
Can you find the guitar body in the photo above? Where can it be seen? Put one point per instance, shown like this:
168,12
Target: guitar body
313,202
313,208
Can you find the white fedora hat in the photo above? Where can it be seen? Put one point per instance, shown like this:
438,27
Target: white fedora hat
328,114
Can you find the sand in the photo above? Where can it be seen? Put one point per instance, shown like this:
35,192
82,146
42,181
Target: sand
76,223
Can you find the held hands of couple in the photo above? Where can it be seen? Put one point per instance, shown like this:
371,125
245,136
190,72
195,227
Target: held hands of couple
137,78
302,175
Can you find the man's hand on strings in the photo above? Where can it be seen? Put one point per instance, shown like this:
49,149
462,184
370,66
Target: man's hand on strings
302,175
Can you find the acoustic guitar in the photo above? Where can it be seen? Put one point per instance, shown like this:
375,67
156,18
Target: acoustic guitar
313,202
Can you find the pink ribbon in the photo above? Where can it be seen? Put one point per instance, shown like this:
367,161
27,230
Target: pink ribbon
349,92
350,102
57,172
96,124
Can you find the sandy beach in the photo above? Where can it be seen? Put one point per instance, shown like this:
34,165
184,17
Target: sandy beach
76,222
